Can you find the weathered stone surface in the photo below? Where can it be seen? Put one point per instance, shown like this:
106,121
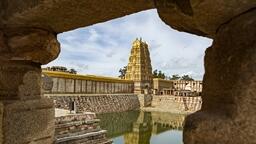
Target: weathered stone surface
64,15
194,16
78,129
29,44
47,83
99,103
25,116
201,17
19,80
174,104
29,121
229,94
3,46
145,99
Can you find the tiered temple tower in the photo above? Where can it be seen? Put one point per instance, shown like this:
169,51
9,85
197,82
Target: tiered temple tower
139,68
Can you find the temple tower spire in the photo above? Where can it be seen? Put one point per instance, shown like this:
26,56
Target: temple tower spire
139,68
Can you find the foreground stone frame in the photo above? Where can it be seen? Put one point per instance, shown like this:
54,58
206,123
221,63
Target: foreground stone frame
26,117
228,113
28,32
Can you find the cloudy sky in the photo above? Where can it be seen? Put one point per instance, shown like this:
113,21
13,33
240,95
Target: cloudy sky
102,49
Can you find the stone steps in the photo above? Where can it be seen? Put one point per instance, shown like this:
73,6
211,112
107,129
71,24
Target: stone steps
83,137
79,129
67,124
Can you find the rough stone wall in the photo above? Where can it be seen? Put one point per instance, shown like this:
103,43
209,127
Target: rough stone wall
228,114
145,100
189,103
177,104
100,103
26,117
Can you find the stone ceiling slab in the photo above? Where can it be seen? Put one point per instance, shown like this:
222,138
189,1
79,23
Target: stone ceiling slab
64,15
201,17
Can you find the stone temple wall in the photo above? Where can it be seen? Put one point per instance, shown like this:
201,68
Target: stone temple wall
98,103
61,82
145,100
177,103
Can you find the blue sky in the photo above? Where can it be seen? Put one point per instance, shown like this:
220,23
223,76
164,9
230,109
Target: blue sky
102,49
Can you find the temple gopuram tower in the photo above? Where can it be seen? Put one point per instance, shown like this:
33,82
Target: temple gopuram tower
139,68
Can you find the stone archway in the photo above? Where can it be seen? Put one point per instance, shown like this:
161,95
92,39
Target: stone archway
28,32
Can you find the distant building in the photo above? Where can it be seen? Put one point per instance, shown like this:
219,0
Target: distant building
64,82
139,67
139,70
162,87
177,87
187,88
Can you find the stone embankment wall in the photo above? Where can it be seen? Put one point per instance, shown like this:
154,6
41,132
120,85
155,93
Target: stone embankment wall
145,100
176,104
98,103
189,103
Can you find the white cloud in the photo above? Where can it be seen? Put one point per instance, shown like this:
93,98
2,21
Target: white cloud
104,48
94,36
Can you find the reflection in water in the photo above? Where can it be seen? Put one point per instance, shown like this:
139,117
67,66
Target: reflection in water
137,127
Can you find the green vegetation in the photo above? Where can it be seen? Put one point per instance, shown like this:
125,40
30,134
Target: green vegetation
187,78
174,77
160,74
122,72
61,69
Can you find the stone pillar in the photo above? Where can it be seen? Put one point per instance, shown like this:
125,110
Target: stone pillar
25,117
228,114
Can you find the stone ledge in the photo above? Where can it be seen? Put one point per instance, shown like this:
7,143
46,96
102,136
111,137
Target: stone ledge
27,121
67,124
81,136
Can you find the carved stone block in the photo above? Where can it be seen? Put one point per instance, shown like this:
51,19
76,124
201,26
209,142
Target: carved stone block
29,121
19,80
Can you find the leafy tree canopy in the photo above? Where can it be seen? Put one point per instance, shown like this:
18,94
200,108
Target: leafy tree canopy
187,78
61,69
174,77
158,74
122,72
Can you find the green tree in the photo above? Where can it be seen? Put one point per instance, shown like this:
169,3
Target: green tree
161,75
187,78
158,74
174,77
73,71
155,73
59,68
122,72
